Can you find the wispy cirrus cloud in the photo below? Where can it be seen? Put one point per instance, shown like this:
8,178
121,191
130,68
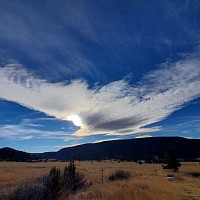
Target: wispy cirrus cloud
18,132
118,108
31,30
187,126
82,38
28,131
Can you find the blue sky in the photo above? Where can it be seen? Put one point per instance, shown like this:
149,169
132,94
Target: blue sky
126,69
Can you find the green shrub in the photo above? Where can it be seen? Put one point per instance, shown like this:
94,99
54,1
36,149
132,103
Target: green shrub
72,179
53,180
171,161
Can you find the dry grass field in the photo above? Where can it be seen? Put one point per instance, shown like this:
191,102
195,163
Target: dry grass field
148,181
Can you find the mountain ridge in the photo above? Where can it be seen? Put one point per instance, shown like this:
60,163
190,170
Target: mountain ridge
10,154
129,149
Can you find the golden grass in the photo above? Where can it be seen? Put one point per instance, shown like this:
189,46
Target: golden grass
13,172
147,181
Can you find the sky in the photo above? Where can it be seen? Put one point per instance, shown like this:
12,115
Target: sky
86,71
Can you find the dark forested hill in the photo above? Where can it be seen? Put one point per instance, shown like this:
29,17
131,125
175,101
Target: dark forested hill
132,149
9,154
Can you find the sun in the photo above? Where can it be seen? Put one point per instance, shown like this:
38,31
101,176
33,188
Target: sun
75,119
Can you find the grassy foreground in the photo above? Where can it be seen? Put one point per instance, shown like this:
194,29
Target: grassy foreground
148,181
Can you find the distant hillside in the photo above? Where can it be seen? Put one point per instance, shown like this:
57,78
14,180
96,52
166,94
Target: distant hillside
132,149
9,154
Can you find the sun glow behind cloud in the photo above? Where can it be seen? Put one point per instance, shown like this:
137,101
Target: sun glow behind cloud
118,108
75,119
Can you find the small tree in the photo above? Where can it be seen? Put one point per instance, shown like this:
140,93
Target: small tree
73,180
54,182
171,161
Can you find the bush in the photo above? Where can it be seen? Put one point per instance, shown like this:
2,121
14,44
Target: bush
171,161
54,183
45,188
49,187
120,175
195,174
53,180
112,177
73,180
28,191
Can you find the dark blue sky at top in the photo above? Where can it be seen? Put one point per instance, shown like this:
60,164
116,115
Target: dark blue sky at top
99,41
115,37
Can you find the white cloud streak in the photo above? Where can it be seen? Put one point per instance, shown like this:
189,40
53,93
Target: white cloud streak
24,131
143,136
110,139
17,132
117,108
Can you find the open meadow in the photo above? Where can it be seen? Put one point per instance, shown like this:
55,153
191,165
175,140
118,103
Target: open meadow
147,181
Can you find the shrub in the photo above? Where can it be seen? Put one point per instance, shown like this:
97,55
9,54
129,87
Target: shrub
112,177
171,161
73,180
49,187
120,175
45,188
28,191
195,174
53,180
